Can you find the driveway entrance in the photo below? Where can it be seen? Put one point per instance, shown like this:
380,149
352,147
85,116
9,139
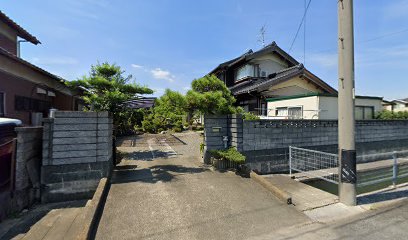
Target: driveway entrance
161,190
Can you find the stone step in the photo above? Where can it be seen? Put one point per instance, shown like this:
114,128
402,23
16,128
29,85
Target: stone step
40,229
63,224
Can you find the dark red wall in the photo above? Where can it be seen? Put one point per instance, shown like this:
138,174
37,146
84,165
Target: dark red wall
12,86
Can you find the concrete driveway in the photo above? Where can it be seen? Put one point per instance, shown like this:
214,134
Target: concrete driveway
162,191
387,223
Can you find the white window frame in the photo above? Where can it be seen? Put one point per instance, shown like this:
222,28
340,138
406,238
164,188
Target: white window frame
301,112
287,112
249,72
364,109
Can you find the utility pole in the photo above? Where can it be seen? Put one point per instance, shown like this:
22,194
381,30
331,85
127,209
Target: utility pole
347,150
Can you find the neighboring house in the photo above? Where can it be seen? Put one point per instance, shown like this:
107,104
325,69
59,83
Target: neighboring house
257,79
387,105
25,89
398,105
319,106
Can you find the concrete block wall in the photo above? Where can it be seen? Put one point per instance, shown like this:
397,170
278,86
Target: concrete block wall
265,142
274,134
27,171
77,152
235,131
28,166
215,127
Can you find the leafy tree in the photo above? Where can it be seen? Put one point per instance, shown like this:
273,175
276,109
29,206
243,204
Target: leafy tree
106,89
168,113
209,95
247,115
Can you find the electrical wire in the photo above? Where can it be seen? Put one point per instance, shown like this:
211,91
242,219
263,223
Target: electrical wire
370,39
300,25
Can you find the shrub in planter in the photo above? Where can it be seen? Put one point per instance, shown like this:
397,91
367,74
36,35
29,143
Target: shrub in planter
229,158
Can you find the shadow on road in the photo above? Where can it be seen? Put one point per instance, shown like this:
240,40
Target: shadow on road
162,173
382,196
148,155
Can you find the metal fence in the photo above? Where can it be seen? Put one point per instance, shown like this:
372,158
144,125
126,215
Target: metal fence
394,173
322,165
314,163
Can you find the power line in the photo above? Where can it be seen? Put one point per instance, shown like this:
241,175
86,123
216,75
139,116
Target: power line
300,25
370,39
304,38
385,35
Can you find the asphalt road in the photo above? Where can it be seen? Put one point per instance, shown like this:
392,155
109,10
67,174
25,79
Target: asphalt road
388,223
161,191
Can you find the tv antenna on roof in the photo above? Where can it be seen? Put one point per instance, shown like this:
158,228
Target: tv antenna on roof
262,32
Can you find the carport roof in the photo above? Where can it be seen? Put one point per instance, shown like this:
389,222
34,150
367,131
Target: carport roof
142,102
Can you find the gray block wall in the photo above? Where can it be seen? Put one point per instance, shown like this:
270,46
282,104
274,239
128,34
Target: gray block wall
28,166
77,153
265,142
27,172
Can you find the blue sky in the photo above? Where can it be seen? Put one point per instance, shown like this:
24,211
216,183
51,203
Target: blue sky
168,43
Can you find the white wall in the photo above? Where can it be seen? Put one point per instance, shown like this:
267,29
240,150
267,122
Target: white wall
328,107
320,107
309,105
376,103
295,86
399,107
270,64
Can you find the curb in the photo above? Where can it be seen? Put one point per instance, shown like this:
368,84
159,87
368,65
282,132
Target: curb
279,193
94,209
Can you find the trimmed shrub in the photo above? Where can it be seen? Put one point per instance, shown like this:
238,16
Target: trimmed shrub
231,154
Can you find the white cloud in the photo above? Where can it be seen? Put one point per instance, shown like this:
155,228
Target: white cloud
136,66
158,73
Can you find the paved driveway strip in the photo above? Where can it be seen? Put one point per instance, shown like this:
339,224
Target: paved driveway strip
174,197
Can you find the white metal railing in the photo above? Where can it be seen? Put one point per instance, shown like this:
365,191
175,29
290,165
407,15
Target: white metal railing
324,166
314,163
397,172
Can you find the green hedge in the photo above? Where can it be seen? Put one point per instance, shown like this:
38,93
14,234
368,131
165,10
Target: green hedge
230,154
389,115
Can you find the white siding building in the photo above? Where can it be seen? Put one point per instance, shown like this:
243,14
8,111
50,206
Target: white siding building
319,106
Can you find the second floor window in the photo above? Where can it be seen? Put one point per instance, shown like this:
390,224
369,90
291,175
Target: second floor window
244,71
